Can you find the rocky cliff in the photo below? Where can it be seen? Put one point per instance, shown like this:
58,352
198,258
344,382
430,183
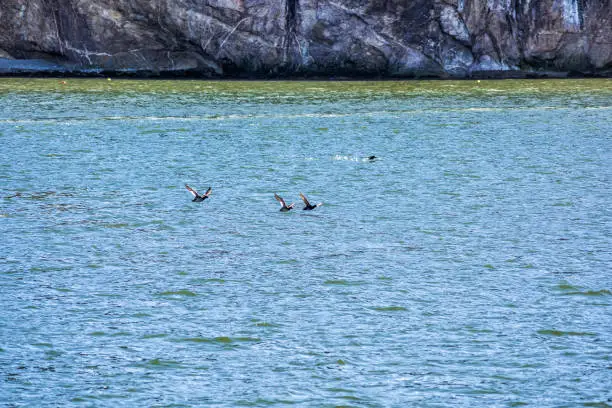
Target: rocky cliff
276,38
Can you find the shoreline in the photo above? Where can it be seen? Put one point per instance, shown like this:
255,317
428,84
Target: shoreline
330,78
45,69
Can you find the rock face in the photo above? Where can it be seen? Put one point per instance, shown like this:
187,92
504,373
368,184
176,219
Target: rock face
276,38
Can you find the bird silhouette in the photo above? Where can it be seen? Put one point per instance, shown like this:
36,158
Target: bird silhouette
199,197
307,204
284,206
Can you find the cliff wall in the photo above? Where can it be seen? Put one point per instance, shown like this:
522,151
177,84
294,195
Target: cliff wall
275,38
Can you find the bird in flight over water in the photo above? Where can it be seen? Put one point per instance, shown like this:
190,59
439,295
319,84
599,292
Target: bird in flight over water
307,204
199,197
284,206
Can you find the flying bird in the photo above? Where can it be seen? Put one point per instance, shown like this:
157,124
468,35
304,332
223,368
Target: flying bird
307,204
284,206
199,197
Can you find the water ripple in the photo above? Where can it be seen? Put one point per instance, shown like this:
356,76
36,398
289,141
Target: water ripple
466,266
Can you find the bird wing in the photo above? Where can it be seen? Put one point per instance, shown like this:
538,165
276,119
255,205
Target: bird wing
191,190
305,200
208,192
280,200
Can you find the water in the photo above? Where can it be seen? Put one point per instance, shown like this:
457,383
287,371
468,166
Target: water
469,265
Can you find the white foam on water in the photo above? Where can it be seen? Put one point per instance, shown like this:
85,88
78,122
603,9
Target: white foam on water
372,114
344,158
341,157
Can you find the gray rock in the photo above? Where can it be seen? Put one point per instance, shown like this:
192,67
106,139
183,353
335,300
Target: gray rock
14,66
487,64
5,55
453,25
275,38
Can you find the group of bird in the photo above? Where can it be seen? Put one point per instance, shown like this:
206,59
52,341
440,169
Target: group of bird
198,198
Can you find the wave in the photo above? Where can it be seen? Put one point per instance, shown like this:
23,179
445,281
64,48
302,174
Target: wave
230,117
340,157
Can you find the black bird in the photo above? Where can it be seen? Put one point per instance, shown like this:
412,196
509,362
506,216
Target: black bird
199,197
372,158
284,206
307,204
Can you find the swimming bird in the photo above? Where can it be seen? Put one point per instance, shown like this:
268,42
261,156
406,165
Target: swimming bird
284,206
372,158
307,204
199,197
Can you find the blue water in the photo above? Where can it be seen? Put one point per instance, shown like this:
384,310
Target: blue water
468,265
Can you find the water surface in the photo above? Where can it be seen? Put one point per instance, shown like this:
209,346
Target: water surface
469,265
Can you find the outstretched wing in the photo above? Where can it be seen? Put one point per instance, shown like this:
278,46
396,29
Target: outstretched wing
280,200
305,200
191,190
208,192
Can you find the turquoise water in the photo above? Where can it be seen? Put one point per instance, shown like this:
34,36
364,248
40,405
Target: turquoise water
469,265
